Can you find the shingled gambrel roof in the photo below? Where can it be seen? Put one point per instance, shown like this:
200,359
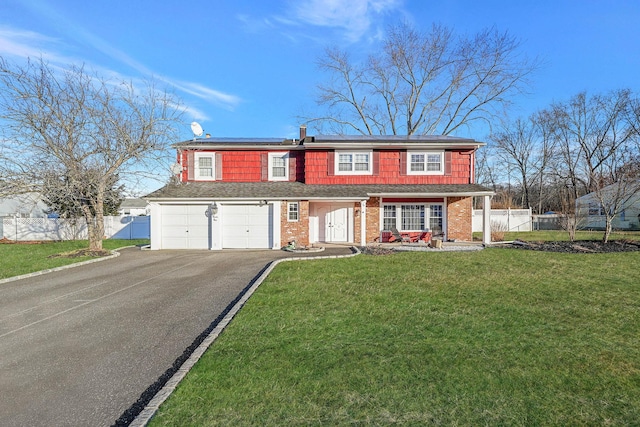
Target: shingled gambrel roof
298,190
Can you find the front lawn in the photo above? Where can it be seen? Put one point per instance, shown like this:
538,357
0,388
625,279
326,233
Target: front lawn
17,259
494,337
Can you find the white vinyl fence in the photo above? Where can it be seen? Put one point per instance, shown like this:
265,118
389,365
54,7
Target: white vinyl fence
115,227
512,219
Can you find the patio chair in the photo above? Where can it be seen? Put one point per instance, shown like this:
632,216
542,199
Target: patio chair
399,237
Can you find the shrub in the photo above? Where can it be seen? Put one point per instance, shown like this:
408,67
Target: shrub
498,229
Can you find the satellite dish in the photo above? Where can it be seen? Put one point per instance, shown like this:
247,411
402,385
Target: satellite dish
176,168
196,129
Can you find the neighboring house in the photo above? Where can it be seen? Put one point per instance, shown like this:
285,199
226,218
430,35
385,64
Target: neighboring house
265,193
29,205
133,207
591,213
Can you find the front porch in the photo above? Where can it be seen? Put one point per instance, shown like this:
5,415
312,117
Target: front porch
371,218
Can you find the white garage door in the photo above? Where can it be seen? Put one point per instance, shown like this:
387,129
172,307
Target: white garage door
185,227
247,226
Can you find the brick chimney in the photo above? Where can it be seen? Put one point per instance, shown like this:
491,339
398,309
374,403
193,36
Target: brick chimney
303,132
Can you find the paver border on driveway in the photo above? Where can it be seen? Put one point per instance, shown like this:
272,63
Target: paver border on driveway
141,412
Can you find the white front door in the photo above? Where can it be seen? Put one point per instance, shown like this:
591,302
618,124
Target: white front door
333,223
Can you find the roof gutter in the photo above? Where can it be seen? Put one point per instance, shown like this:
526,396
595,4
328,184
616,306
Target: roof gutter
440,194
394,145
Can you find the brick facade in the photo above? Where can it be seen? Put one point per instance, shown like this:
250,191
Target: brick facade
459,218
373,219
294,230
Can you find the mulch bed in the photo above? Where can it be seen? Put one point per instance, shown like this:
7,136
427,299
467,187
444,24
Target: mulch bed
577,247
82,253
377,250
5,241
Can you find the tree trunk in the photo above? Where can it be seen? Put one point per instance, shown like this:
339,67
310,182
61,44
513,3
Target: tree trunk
95,228
607,229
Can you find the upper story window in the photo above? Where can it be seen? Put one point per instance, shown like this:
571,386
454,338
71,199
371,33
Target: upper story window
425,163
278,166
354,163
205,166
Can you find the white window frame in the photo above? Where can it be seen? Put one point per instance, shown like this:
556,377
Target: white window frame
390,213
426,155
295,211
279,155
405,209
353,154
427,214
196,166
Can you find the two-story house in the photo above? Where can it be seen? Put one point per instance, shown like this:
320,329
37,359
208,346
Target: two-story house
265,193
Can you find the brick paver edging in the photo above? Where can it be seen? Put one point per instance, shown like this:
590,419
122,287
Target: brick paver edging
143,418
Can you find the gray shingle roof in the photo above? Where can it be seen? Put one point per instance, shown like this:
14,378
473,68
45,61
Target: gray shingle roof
298,190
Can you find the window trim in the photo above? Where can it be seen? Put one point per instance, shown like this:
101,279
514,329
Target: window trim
353,153
279,154
290,211
427,214
196,167
426,156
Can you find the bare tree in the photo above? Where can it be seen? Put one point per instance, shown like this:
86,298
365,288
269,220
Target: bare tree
422,83
597,139
526,147
70,131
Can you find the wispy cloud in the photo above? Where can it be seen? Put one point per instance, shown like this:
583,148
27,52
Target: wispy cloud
355,19
24,44
28,44
206,93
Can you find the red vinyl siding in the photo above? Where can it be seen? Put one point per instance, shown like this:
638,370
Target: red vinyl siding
391,170
317,166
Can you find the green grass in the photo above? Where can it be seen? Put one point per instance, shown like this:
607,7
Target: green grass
17,259
495,337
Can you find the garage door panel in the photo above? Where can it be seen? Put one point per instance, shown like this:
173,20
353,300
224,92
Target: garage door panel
185,227
247,226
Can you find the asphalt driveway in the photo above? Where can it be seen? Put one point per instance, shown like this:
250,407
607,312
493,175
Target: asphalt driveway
79,346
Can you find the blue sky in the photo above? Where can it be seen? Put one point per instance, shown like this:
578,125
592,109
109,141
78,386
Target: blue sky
245,68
